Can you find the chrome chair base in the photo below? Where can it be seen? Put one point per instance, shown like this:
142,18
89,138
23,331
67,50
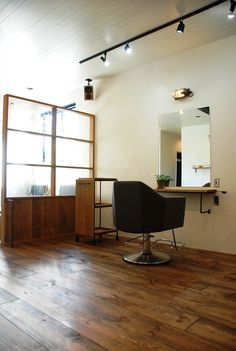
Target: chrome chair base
147,257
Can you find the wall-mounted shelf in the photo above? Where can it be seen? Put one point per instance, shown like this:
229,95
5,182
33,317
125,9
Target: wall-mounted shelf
198,167
190,190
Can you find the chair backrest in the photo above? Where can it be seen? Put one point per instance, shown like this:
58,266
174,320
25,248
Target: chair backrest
137,208
207,184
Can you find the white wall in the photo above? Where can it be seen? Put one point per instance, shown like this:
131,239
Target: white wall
127,107
127,130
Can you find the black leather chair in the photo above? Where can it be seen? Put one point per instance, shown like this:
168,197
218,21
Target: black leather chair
137,208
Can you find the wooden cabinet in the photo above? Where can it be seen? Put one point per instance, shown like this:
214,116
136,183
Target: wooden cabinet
89,206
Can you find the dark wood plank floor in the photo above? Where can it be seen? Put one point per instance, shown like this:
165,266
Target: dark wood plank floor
64,296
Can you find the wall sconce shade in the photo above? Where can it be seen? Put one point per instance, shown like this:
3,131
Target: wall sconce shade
182,93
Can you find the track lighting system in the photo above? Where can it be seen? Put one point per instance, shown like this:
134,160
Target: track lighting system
180,29
104,59
128,49
232,9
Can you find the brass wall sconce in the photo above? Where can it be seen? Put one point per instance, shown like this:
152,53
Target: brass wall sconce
182,93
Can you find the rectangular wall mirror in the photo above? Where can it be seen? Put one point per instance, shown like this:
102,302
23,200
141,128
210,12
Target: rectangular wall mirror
185,146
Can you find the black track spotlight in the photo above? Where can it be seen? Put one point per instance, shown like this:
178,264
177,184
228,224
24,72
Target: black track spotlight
128,49
104,59
180,28
232,9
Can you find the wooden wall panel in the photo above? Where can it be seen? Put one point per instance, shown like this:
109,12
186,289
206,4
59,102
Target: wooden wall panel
9,220
22,219
65,215
36,219
44,217
49,210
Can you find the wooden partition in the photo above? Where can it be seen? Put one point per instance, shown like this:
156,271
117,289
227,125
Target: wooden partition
45,149
38,218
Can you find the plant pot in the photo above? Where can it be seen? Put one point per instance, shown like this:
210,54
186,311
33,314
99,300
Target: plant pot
160,184
166,183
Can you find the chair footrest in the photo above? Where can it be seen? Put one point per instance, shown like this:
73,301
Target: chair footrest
129,241
180,244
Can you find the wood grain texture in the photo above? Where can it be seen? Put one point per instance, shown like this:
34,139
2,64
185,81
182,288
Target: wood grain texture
14,339
63,295
39,217
88,199
84,207
186,189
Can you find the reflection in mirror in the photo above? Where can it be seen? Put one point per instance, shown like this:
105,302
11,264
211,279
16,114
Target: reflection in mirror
185,147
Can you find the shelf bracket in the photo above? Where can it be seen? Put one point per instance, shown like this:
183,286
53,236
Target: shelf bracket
201,210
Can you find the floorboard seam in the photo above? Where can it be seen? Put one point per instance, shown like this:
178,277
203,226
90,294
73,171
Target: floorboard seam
30,336
188,327
13,299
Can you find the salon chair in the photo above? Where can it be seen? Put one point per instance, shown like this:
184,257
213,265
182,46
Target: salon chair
207,184
138,209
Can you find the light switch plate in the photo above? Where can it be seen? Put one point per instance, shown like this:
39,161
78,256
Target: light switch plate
216,182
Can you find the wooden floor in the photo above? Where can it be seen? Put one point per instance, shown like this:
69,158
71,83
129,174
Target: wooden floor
63,296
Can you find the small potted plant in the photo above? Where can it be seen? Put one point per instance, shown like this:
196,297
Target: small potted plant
162,180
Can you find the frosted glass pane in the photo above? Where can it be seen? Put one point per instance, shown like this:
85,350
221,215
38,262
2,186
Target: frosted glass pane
27,148
29,116
73,125
72,153
28,181
66,179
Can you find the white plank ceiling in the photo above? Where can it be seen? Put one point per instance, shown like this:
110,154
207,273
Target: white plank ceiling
42,41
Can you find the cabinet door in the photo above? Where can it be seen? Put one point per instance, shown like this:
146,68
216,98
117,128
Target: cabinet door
84,208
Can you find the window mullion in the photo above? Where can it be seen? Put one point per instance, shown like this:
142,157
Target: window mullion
53,151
